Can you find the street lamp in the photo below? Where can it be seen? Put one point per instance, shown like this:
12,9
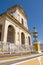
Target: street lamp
35,34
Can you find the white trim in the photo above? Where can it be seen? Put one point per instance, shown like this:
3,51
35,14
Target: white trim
39,52
39,59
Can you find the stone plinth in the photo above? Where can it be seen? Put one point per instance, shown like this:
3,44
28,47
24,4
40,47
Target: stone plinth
5,48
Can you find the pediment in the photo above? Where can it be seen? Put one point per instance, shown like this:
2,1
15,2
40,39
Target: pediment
17,7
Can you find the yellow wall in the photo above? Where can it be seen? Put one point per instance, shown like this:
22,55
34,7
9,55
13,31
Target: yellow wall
37,46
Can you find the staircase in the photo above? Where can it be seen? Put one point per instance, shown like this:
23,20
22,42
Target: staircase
13,48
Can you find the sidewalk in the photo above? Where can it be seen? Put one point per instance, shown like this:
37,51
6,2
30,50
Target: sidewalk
16,59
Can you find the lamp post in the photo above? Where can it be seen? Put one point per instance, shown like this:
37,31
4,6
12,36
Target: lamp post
35,34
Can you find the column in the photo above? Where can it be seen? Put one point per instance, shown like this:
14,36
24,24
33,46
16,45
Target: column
5,32
4,35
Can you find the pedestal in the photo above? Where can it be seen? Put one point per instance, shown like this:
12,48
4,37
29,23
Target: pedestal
37,46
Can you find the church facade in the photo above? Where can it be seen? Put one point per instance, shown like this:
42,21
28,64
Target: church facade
14,29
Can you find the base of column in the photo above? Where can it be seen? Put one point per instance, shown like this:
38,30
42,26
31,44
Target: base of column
39,52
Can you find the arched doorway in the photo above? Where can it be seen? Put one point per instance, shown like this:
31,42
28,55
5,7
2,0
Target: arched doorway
11,34
29,41
0,32
22,38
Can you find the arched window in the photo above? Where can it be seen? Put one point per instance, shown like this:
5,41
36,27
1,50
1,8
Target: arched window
22,38
29,40
22,21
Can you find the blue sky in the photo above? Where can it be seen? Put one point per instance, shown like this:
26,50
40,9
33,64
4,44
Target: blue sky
33,9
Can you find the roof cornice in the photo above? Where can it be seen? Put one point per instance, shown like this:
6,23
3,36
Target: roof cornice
17,22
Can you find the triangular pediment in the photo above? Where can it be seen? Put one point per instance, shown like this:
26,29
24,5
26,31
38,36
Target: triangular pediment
14,8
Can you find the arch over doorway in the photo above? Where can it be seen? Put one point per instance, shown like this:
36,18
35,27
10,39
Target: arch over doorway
22,38
11,34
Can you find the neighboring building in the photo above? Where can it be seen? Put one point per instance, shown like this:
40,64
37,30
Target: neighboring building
41,47
14,28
